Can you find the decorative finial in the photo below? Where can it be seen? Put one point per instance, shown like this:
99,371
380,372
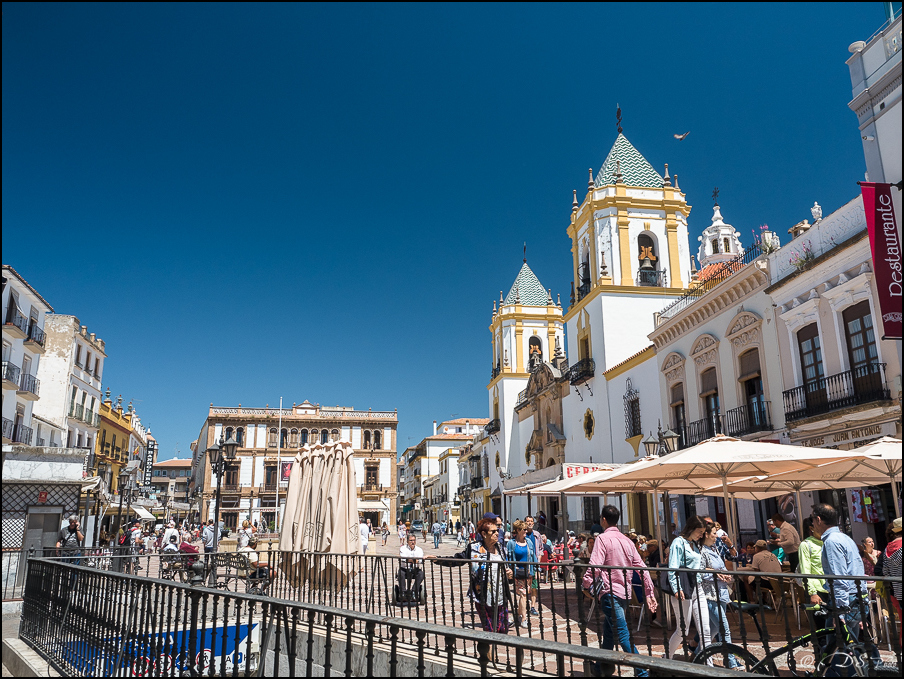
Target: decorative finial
525,252
716,196
549,296
603,270
108,394
500,298
494,307
667,181
618,174
816,211
618,118
119,402
574,201
558,300
676,182
131,407
590,180
693,265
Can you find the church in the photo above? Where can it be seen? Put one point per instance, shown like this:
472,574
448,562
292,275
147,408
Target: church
566,384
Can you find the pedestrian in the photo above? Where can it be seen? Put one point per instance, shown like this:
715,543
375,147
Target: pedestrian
689,600
168,533
610,587
869,554
457,525
501,530
471,533
788,539
364,531
489,578
403,533
424,530
840,557
810,563
763,561
261,570
539,544
385,532
541,518
70,539
437,531
459,538
723,542
209,537
520,549
245,534
716,588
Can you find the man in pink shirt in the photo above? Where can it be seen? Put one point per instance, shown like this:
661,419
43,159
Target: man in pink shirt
612,586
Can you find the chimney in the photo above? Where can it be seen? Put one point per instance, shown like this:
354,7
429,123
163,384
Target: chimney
434,427
467,426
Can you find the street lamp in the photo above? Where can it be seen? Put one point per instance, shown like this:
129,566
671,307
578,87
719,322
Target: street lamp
102,473
123,479
219,455
164,501
662,444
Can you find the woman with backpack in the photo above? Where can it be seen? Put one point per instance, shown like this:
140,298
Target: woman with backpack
489,576
689,599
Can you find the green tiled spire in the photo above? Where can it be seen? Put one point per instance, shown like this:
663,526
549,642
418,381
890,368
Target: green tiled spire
527,290
635,169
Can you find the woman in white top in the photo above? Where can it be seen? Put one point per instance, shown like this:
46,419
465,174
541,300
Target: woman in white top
689,600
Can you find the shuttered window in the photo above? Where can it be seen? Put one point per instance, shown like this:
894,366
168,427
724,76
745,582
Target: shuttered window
749,365
708,382
677,394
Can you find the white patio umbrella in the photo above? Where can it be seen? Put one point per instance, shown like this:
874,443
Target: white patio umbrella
723,458
870,465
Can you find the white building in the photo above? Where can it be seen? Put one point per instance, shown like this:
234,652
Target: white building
71,374
23,347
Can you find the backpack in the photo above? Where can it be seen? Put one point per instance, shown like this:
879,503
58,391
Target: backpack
122,539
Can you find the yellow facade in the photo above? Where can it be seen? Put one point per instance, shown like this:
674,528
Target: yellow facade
113,440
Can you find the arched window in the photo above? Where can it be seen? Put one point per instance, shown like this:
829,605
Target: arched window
678,413
752,387
366,440
228,433
377,441
240,436
715,246
272,438
293,438
324,436
304,437
726,242
534,353
709,392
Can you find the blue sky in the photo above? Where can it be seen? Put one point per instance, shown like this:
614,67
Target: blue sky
322,201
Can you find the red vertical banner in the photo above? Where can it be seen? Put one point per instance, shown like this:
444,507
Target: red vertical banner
886,249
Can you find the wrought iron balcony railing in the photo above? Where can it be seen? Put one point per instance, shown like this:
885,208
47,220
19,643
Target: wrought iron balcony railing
863,384
30,383
584,278
581,371
15,318
36,335
701,430
231,488
651,279
493,426
10,372
373,487
748,419
22,434
7,429
495,371
79,412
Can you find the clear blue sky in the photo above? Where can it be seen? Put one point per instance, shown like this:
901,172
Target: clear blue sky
323,201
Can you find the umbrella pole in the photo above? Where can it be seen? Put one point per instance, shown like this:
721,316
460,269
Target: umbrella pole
800,512
656,515
731,529
894,494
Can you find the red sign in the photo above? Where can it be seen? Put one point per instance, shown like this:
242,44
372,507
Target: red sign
883,240
286,471
573,470
42,496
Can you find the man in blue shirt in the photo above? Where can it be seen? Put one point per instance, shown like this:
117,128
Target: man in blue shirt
840,556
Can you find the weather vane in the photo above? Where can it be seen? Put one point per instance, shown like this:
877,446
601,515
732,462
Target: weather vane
525,252
618,117
716,196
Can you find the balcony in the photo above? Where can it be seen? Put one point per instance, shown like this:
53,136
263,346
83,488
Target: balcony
522,398
10,375
22,434
35,339
651,279
864,384
16,325
493,426
477,482
699,431
495,372
76,411
272,487
7,430
373,487
581,371
29,387
583,287
231,488
749,419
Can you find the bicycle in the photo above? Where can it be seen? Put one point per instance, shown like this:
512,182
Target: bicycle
825,651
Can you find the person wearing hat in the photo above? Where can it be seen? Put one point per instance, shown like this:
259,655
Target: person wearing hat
260,569
763,561
894,544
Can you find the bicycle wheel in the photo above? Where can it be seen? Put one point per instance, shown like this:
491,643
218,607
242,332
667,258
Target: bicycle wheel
718,655
805,654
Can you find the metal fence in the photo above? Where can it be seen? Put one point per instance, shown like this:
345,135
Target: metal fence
767,616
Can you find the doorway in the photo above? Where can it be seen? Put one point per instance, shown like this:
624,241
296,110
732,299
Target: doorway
42,526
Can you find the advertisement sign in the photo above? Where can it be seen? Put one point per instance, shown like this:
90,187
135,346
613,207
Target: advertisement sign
42,496
886,249
286,471
149,462
572,470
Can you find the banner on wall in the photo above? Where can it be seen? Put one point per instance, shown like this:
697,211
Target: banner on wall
286,471
886,250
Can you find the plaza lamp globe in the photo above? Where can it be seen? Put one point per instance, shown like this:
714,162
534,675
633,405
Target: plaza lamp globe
671,440
651,445
213,454
229,448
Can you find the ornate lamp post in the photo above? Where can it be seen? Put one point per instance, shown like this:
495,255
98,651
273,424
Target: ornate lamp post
219,456
663,444
102,473
123,480
164,501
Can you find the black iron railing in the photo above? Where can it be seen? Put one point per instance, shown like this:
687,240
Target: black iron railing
231,488
703,429
114,613
864,384
373,487
15,318
713,278
581,371
652,279
30,383
7,428
493,426
35,334
748,419
477,482
584,278
22,434
10,372
495,371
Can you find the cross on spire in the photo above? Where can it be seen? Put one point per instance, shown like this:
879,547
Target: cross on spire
716,196
525,252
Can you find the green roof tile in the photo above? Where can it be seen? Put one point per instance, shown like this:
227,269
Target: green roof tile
635,169
527,290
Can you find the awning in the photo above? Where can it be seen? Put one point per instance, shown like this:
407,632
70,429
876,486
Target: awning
143,513
372,505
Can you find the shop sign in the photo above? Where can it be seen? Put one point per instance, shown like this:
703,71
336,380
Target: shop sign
850,435
42,496
149,462
573,470
886,250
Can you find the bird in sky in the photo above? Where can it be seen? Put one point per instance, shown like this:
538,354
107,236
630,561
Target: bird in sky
679,137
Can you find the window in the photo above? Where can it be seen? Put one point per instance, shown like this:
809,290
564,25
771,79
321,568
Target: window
304,437
632,412
678,415
709,392
228,433
366,439
371,475
726,243
270,476
810,355
230,520
88,361
861,341
293,438
240,436
715,246
378,444
271,440
583,348
231,477
284,438
78,355
752,386
324,436
591,511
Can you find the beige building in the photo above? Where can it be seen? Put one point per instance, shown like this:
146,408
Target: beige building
254,485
